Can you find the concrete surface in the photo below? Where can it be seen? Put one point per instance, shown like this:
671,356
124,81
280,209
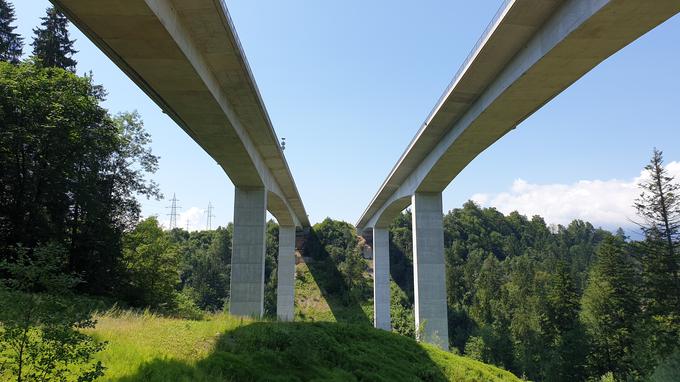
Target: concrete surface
381,279
248,248
429,270
285,291
531,51
185,54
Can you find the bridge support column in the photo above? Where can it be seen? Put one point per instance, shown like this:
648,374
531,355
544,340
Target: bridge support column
248,248
429,269
381,279
285,290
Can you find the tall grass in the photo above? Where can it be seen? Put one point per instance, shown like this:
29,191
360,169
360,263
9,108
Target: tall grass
143,346
136,338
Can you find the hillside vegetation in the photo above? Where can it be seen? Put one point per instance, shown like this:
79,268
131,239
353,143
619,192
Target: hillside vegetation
333,339
146,347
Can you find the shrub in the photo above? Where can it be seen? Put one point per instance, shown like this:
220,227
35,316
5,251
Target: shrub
185,307
40,320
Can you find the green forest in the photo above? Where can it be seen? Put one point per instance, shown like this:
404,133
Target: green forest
545,302
551,303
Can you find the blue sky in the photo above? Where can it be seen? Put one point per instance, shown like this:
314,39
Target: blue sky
349,83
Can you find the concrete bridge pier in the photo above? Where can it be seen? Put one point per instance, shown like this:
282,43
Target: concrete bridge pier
216,102
285,292
381,279
429,274
248,249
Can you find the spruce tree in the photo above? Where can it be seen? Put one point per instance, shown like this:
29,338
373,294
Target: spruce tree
610,311
659,207
566,357
51,43
659,204
10,43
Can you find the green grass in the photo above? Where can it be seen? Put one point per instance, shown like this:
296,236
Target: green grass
135,339
311,304
331,340
145,347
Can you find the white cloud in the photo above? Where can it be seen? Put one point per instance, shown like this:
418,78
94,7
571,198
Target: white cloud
606,203
194,216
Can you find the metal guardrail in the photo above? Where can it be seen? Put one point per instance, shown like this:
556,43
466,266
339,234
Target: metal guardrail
500,13
502,10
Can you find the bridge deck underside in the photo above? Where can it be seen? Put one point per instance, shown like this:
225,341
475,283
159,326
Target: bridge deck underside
186,56
534,51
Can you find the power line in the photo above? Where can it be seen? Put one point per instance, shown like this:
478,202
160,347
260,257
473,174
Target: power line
173,211
210,215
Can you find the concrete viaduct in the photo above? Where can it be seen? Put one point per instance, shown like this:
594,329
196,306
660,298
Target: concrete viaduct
186,56
531,51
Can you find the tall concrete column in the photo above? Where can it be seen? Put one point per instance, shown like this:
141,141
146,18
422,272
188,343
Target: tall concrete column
381,279
429,269
248,247
285,290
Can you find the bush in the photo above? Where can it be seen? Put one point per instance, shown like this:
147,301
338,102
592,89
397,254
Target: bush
185,307
475,348
40,321
401,310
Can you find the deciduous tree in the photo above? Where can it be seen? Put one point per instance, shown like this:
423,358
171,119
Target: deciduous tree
151,266
68,171
41,320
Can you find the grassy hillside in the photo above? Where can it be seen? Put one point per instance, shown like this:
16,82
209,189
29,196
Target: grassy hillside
315,302
331,340
152,348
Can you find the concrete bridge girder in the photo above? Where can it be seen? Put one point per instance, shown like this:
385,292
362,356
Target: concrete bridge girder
173,22
249,246
531,52
185,55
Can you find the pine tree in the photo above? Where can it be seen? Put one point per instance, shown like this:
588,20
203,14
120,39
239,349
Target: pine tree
568,348
659,204
610,311
51,43
10,43
659,207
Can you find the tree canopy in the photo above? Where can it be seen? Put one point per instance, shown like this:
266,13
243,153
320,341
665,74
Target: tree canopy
70,172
